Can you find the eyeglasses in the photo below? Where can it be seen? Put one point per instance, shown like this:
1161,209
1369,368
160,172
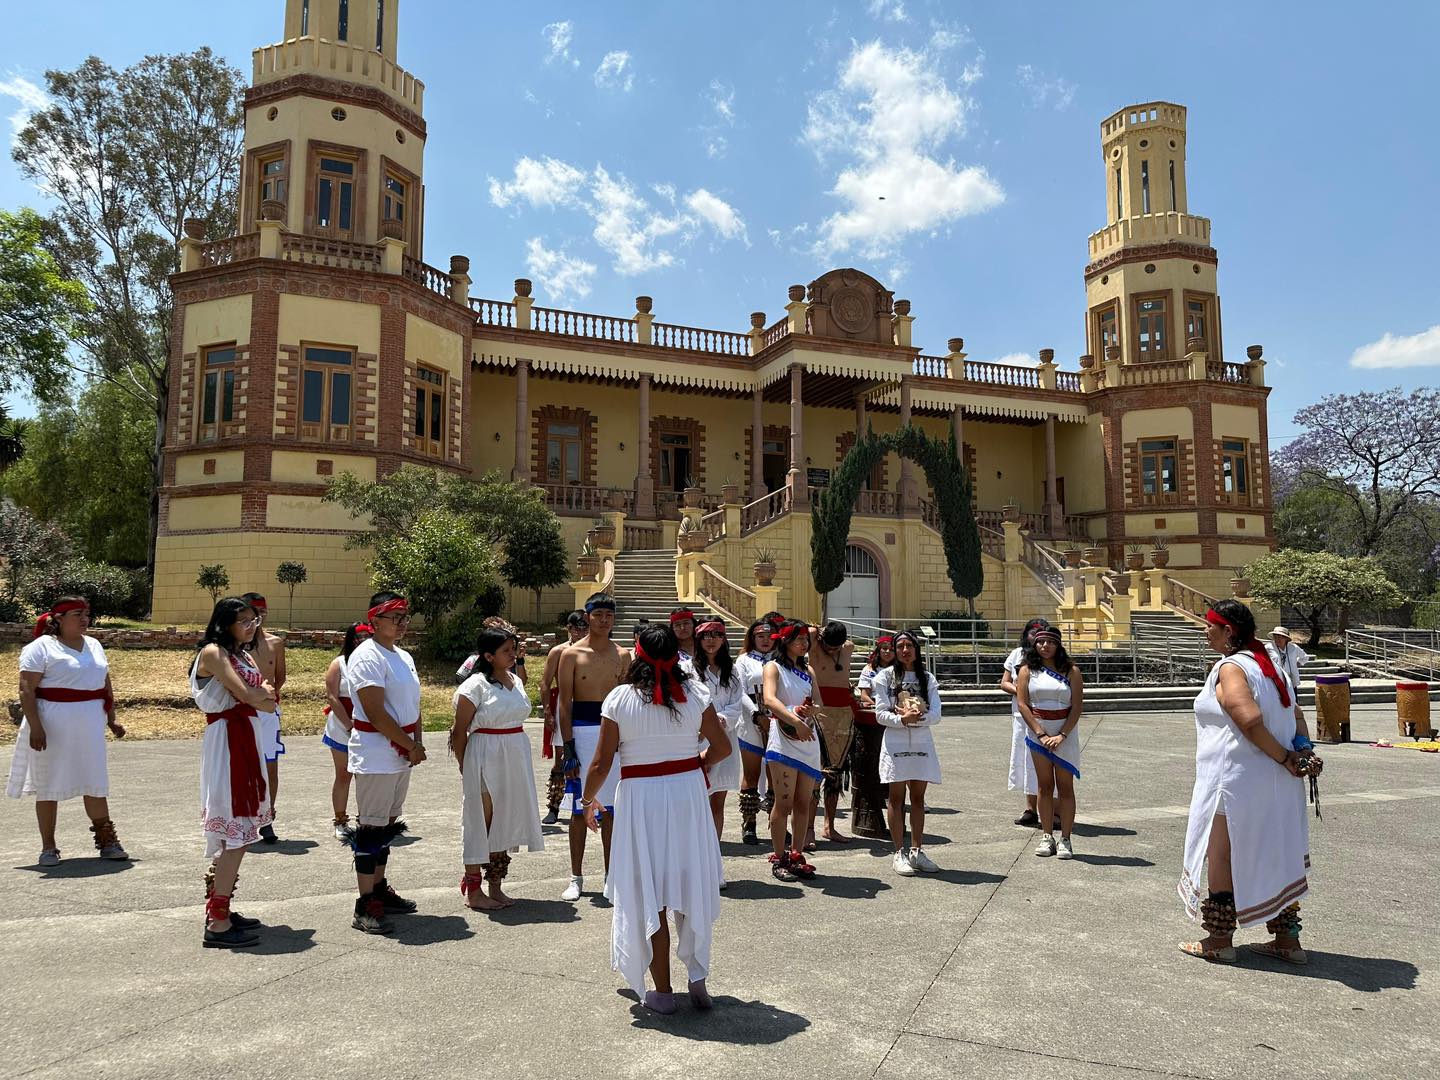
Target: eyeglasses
247,622
712,634
399,620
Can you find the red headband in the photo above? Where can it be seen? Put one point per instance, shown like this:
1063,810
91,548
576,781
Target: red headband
1255,649
664,674
888,639
56,612
259,605
681,616
387,608
714,626
785,633
1046,632
364,628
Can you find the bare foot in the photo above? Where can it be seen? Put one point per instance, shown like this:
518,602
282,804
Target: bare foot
497,894
835,836
478,901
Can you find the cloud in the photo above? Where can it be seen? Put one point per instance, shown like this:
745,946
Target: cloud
722,100
722,104
615,72
547,183
633,231
889,10
891,114
1015,359
558,35
1045,92
31,99
1413,350
562,276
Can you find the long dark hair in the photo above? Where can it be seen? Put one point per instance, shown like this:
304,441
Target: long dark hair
659,643
352,639
724,662
750,634
922,677
1062,663
781,655
1030,628
874,660
217,630
491,640
251,598
1240,618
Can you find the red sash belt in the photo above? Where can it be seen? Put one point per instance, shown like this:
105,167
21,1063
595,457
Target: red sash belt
661,768
347,702
408,729
62,693
1051,714
247,775
519,730
837,697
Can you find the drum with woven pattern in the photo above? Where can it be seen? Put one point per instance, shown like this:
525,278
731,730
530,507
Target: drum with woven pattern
1412,709
1332,708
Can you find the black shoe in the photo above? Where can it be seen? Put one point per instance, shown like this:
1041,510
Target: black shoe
240,922
1029,819
552,817
267,834
370,916
395,904
748,836
234,938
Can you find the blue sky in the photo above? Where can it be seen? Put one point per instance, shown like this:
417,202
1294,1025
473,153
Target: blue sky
711,155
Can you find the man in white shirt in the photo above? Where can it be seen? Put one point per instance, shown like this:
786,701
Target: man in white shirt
385,743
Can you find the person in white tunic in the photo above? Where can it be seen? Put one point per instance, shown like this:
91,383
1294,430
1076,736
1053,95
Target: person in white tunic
1289,658
229,688
1248,836
339,717
498,810
1051,693
907,705
67,701
716,671
386,742
665,856
750,736
1022,767
793,749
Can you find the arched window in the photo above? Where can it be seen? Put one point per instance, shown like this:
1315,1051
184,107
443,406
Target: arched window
860,563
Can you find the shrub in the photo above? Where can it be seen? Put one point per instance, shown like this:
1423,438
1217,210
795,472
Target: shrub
438,564
107,588
454,636
291,574
214,579
959,625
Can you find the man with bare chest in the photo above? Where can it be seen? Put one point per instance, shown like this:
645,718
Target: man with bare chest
589,670
830,653
268,652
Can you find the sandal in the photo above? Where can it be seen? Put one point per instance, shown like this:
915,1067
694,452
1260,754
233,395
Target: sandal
800,866
783,871
1294,956
1221,955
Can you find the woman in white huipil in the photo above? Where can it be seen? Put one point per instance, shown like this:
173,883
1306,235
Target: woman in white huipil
1248,836
908,762
713,666
1022,766
1051,694
499,809
793,749
664,855
751,734
68,703
339,718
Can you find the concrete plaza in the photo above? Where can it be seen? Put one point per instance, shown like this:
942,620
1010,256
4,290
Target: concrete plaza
1002,965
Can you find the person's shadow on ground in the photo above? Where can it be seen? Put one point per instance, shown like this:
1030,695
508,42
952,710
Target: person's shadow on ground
284,846
1081,829
82,868
741,1023
533,911
429,929
746,889
1368,974
851,888
277,940
963,877
1111,860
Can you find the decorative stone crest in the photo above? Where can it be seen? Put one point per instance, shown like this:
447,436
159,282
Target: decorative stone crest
851,305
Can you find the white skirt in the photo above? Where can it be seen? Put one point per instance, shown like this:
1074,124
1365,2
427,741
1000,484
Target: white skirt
664,854
500,766
908,754
73,761
587,738
725,776
794,754
336,737
1069,749
222,828
1022,765
270,745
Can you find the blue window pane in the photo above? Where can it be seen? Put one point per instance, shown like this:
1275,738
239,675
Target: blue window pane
207,412
340,397
316,355
312,398
227,409
345,191
336,165
342,32
219,356
322,203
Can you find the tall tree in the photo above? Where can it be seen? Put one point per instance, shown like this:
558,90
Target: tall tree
38,308
129,156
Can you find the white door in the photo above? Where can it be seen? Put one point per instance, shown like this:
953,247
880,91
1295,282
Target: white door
857,600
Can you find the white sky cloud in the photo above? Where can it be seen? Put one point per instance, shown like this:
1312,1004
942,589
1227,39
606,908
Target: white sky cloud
891,114
562,277
1044,92
546,182
558,36
889,10
1412,350
30,97
720,215
615,72
722,102
1015,359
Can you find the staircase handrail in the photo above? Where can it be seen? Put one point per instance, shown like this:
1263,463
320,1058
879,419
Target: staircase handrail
723,595
1388,657
1187,601
992,542
1049,569
764,510
713,525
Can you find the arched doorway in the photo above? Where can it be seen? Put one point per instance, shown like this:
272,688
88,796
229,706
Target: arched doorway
857,599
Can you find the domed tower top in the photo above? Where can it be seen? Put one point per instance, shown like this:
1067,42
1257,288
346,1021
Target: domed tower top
1143,147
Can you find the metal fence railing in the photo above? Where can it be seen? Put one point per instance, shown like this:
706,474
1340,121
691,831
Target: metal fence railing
1397,651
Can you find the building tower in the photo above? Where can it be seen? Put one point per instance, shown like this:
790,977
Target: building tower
1150,283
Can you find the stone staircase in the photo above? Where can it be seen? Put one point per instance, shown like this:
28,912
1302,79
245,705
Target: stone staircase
645,589
1165,635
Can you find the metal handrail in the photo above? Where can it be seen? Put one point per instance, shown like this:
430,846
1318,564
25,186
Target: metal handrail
1389,657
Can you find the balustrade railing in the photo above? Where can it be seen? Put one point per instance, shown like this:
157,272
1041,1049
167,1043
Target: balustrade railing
326,251
775,332
735,602
1224,371
231,249
992,542
582,324
427,276
764,510
1069,381
936,367
493,312
1183,598
1152,373
713,525
878,503
1001,374
582,498
930,514
643,537
696,339
1046,566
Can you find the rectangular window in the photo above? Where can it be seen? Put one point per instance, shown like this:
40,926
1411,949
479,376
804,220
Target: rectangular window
1151,328
1174,201
1197,322
1119,197
379,25
1106,331
430,411
304,18
675,460
335,197
395,191
217,400
342,30
1159,473
562,453
326,394
1145,186
1234,470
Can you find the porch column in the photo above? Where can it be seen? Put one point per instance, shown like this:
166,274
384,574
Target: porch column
909,494
1052,501
644,481
957,425
521,471
757,444
859,417
798,478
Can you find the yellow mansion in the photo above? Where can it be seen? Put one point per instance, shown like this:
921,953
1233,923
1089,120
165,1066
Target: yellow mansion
318,341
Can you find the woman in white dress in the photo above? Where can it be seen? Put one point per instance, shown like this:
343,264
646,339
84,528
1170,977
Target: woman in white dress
67,700
664,856
1248,836
234,796
339,718
1051,694
499,808
881,657
907,705
1022,766
716,671
793,749
751,734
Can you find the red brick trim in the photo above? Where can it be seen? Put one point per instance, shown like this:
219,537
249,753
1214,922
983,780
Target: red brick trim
540,421
1171,250
679,425
344,93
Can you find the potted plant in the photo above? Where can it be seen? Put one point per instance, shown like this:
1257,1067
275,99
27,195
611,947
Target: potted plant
1134,557
603,533
764,566
1160,553
1239,582
1073,557
1122,581
587,564
692,493
730,491
1009,512
690,537
1092,554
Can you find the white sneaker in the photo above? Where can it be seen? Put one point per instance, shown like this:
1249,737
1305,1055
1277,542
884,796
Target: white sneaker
1046,847
572,891
724,884
1065,851
342,831
902,864
922,862
49,857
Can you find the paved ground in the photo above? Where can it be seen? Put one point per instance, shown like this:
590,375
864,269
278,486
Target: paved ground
1003,965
